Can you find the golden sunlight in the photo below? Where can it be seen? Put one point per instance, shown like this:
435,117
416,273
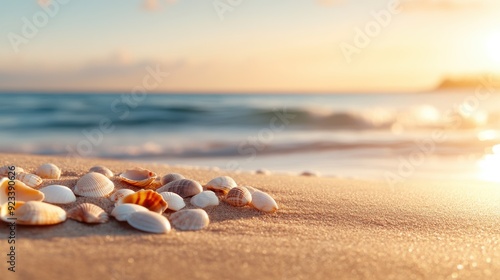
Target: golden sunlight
488,165
493,47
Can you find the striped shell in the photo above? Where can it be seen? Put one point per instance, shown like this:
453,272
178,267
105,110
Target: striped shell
48,171
88,213
94,185
170,178
205,199
147,198
238,197
149,222
175,202
4,170
58,194
34,213
138,177
31,180
221,185
190,219
184,188
22,192
119,194
263,202
103,170
122,211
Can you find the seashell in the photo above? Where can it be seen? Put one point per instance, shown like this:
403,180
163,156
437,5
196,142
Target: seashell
34,213
310,174
31,180
263,172
221,185
183,187
250,189
147,198
170,178
175,202
138,177
190,219
103,170
263,202
238,197
122,211
119,194
149,222
205,199
22,192
4,170
58,194
94,185
48,171
88,213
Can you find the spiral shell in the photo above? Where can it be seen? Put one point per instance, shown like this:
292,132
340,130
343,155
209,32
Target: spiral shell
31,180
94,185
48,171
205,199
147,198
221,185
103,170
149,222
175,202
58,194
119,194
238,197
170,178
22,192
122,211
263,202
138,177
190,219
88,213
184,188
33,213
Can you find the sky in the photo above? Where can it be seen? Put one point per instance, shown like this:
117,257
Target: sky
245,45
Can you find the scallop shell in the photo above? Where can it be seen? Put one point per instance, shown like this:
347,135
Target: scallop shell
58,194
184,188
4,170
205,199
238,197
122,211
34,213
138,177
149,222
22,192
190,219
88,213
103,170
175,202
94,185
31,180
170,178
48,171
147,198
263,202
119,194
221,185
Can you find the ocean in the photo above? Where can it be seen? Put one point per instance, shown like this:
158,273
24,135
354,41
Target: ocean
394,137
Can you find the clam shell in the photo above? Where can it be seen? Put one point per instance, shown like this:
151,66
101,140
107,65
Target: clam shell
94,185
149,222
190,219
48,171
103,170
183,187
22,192
34,213
88,213
147,198
170,178
221,185
263,202
138,177
175,202
58,194
119,194
205,199
31,180
4,170
238,197
122,211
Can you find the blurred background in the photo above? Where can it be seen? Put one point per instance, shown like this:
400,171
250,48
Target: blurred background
381,89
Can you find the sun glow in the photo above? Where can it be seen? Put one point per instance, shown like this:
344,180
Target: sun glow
493,47
489,164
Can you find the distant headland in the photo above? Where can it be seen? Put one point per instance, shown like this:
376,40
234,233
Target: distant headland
468,81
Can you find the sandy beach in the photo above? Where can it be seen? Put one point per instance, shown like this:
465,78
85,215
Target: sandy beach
325,229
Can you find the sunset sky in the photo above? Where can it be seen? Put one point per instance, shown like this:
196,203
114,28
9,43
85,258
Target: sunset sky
257,46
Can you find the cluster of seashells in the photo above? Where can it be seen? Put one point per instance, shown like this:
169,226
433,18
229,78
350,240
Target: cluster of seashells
143,210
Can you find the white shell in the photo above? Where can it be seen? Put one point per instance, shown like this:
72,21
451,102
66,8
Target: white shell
170,178
149,222
190,219
94,185
34,213
88,213
58,194
122,211
175,202
31,180
205,199
119,194
48,171
251,189
23,192
138,177
221,184
184,188
103,170
263,202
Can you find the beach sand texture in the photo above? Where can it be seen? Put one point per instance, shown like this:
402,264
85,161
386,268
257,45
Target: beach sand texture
325,228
